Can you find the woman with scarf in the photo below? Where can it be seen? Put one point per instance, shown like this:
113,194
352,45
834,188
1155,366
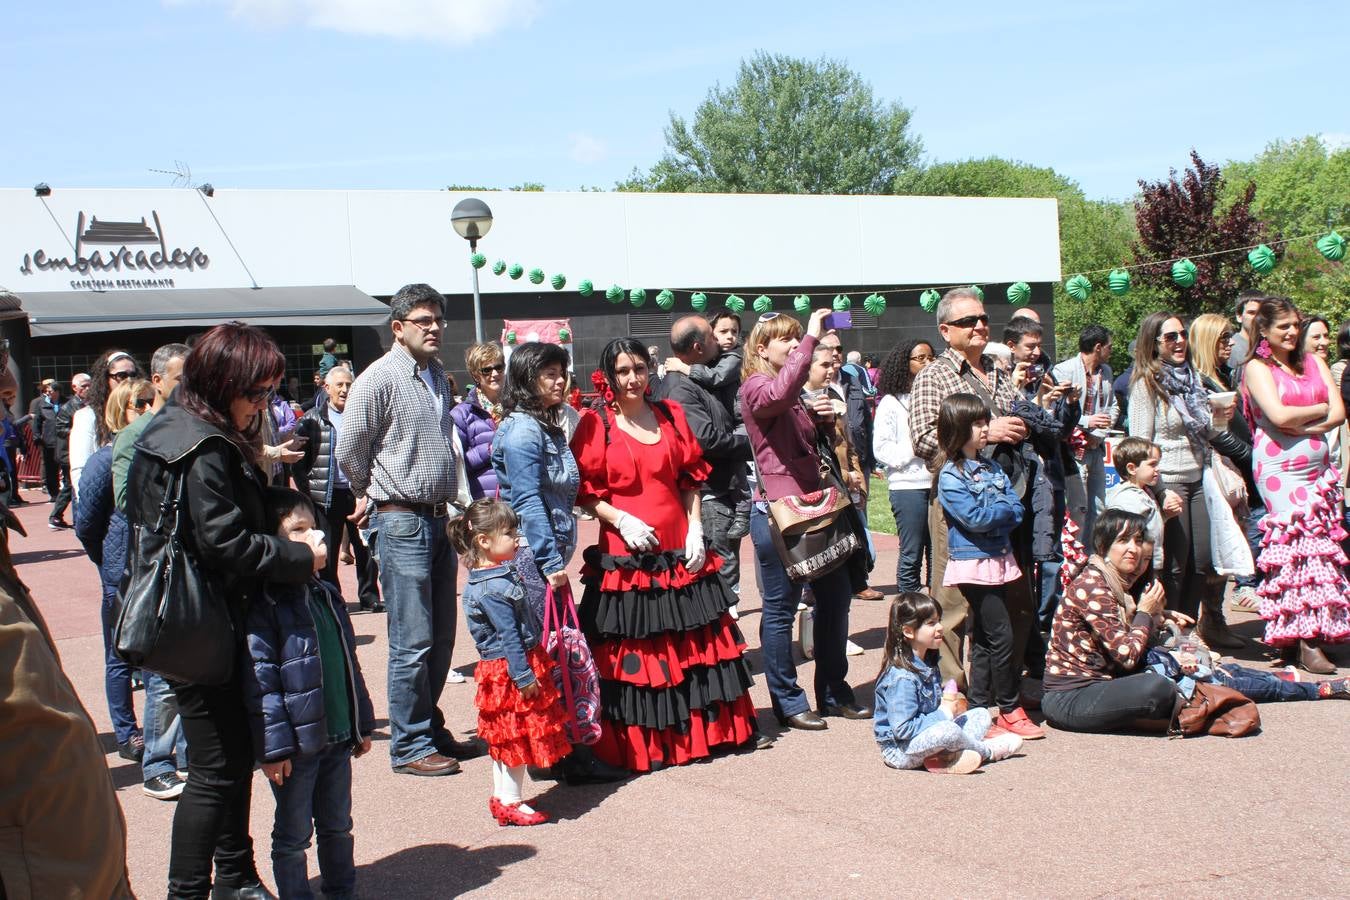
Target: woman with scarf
1170,407
477,418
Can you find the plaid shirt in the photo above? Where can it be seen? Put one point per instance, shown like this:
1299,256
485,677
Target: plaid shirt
391,446
942,378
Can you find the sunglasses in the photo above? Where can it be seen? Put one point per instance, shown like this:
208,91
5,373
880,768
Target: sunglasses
1173,337
120,376
141,403
969,321
1226,339
488,370
769,316
260,394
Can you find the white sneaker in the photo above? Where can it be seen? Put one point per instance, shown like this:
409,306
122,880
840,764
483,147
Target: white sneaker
1003,746
454,677
735,613
852,649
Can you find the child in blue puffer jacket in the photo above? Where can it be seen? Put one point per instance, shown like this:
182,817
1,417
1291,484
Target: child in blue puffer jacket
309,710
981,509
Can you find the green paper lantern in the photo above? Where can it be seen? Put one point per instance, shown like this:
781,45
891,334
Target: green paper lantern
478,260
1118,282
511,338
698,300
614,294
558,281
637,296
585,289
763,304
979,291
1184,272
1332,246
515,271
736,304
665,299
536,276
1019,293
875,305
802,304
564,336
843,302
499,267
1262,259
1078,287
929,300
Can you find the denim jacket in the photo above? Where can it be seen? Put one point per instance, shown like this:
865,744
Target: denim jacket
906,704
981,509
500,620
537,474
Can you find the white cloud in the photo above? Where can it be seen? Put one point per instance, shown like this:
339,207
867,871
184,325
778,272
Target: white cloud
586,149
450,21
1334,141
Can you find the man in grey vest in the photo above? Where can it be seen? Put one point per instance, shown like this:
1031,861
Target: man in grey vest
319,475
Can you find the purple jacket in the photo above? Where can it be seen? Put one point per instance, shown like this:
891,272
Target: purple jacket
781,430
476,428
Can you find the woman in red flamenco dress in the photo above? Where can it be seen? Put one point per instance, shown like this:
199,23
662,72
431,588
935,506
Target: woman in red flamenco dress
673,681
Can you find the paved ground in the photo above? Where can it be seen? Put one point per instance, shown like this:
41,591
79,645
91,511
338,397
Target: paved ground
817,815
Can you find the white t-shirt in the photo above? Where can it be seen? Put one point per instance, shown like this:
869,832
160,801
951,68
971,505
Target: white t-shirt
425,375
83,443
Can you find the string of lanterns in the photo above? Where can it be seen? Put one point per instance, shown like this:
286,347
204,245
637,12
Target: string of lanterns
1184,272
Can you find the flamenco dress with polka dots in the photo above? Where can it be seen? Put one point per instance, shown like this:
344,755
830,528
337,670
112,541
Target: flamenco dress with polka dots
673,680
1304,594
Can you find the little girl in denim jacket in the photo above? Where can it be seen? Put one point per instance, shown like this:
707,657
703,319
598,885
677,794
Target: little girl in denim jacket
981,509
914,723
519,712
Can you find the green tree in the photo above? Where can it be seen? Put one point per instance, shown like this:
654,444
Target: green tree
1093,235
1302,188
786,126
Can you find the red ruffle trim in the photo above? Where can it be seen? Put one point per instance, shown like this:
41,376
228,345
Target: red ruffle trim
620,580
635,748
518,731
1305,595
661,662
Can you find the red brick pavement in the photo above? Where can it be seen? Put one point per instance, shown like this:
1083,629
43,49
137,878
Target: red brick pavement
818,815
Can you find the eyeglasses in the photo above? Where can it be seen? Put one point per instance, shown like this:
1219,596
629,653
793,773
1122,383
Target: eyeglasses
120,376
426,323
1173,337
923,358
969,321
488,370
258,395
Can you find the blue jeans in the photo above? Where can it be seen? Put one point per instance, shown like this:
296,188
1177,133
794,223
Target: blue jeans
780,596
1093,473
1263,687
1258,512
116,674
417,579
1048,600
910,509
316,796
165,746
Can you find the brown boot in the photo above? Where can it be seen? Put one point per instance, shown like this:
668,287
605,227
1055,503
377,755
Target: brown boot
1311,658
1213,628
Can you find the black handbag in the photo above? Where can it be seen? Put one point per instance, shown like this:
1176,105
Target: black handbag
172,619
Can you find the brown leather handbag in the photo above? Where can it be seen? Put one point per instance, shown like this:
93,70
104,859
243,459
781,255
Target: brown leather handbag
813,533
1218,710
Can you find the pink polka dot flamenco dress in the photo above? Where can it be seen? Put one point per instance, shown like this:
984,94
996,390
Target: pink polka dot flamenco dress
1304,593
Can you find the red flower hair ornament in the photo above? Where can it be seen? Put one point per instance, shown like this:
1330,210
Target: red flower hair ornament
602,385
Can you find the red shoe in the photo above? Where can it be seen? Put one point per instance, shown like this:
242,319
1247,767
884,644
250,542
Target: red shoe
1017,723
510,814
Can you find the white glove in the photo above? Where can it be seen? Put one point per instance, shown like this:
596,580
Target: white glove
637,534
695,554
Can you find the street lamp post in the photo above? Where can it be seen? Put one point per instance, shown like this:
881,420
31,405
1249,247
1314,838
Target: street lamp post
471,220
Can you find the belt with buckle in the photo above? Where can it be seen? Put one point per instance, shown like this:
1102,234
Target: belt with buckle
434,510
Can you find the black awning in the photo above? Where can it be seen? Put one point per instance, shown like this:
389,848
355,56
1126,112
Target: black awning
53,313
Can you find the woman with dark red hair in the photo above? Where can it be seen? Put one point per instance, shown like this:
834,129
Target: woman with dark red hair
210,435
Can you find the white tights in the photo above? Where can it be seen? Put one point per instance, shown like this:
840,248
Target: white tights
507,782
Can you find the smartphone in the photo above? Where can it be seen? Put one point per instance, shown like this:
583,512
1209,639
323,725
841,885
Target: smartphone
837,320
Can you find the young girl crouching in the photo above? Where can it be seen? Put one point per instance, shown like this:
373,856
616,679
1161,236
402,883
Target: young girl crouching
914,723
519,713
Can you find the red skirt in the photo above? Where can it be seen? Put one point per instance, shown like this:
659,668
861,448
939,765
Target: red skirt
520,732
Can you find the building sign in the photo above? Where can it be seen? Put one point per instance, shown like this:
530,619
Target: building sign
142,258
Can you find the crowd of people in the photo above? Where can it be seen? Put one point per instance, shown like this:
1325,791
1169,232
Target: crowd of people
1016,565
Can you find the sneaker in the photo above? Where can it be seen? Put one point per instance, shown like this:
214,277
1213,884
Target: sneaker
1018,723
734,612
1336,689
954,762
1002,746
164,787
852,649
455,677
133,748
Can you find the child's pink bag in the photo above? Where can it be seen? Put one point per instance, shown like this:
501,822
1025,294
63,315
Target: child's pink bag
576,676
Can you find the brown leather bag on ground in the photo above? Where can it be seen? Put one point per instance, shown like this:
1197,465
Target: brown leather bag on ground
1218,710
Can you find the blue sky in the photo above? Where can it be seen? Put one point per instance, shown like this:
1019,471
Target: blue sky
424,93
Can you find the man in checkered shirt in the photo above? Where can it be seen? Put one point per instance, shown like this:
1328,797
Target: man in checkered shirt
396,448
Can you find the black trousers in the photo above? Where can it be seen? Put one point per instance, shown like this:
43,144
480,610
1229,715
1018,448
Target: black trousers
1186,550
993,680
1112,705
333,524
211,821
63,498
